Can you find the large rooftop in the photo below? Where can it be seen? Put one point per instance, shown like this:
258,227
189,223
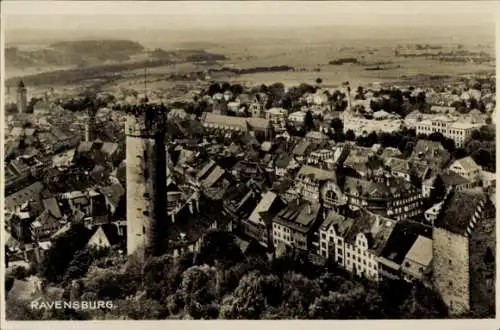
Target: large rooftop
458,210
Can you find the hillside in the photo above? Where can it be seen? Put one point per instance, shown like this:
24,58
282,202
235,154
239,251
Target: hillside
80,53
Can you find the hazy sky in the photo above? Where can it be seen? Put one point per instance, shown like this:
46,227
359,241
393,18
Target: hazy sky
116,15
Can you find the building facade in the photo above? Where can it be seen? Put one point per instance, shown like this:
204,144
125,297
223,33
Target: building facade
458,132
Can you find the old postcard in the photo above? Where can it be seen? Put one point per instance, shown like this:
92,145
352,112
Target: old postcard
248,161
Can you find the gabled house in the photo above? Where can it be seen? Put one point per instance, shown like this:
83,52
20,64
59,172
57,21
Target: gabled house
467,168
259,224
104,237
417,264
456,181
302,150
113,194
296,226
44,226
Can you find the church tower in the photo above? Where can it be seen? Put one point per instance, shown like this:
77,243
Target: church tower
22,98
146,178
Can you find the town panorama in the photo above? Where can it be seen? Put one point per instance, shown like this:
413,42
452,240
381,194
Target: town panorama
255,172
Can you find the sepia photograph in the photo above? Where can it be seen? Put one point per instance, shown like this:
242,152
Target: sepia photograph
268,160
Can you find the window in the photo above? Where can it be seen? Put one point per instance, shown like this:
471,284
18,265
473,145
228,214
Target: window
339,251
450,284
449,261
323,235
339,241
331,239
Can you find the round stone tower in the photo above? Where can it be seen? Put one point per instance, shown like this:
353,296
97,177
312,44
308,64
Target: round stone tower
22,98
146,178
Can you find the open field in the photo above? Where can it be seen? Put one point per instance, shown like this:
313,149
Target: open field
308,51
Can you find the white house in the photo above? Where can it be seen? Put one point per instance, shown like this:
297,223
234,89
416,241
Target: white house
467,168
297,117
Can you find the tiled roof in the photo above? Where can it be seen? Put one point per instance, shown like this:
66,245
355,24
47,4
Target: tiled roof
265,203
398,164
299,216
301,148
52,206
109,148
317,173
46,219
19,165
113,193
283,160
372,189
468,164
241,122
316,135
401,239
458,210
453,179
110,231
31,192
213,177
340,223
84,147
431,152
205,169
421,251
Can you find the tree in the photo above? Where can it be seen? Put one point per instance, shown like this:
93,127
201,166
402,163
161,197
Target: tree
349,135
436,136
371,139
19,272
236,89
78,267
308,121
422,303
219,246
248,300
299,292
360,93
276,93
460,153
488,256
198,289
337,125
438,190
142,309
319,81
62,251
9,283
214,89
